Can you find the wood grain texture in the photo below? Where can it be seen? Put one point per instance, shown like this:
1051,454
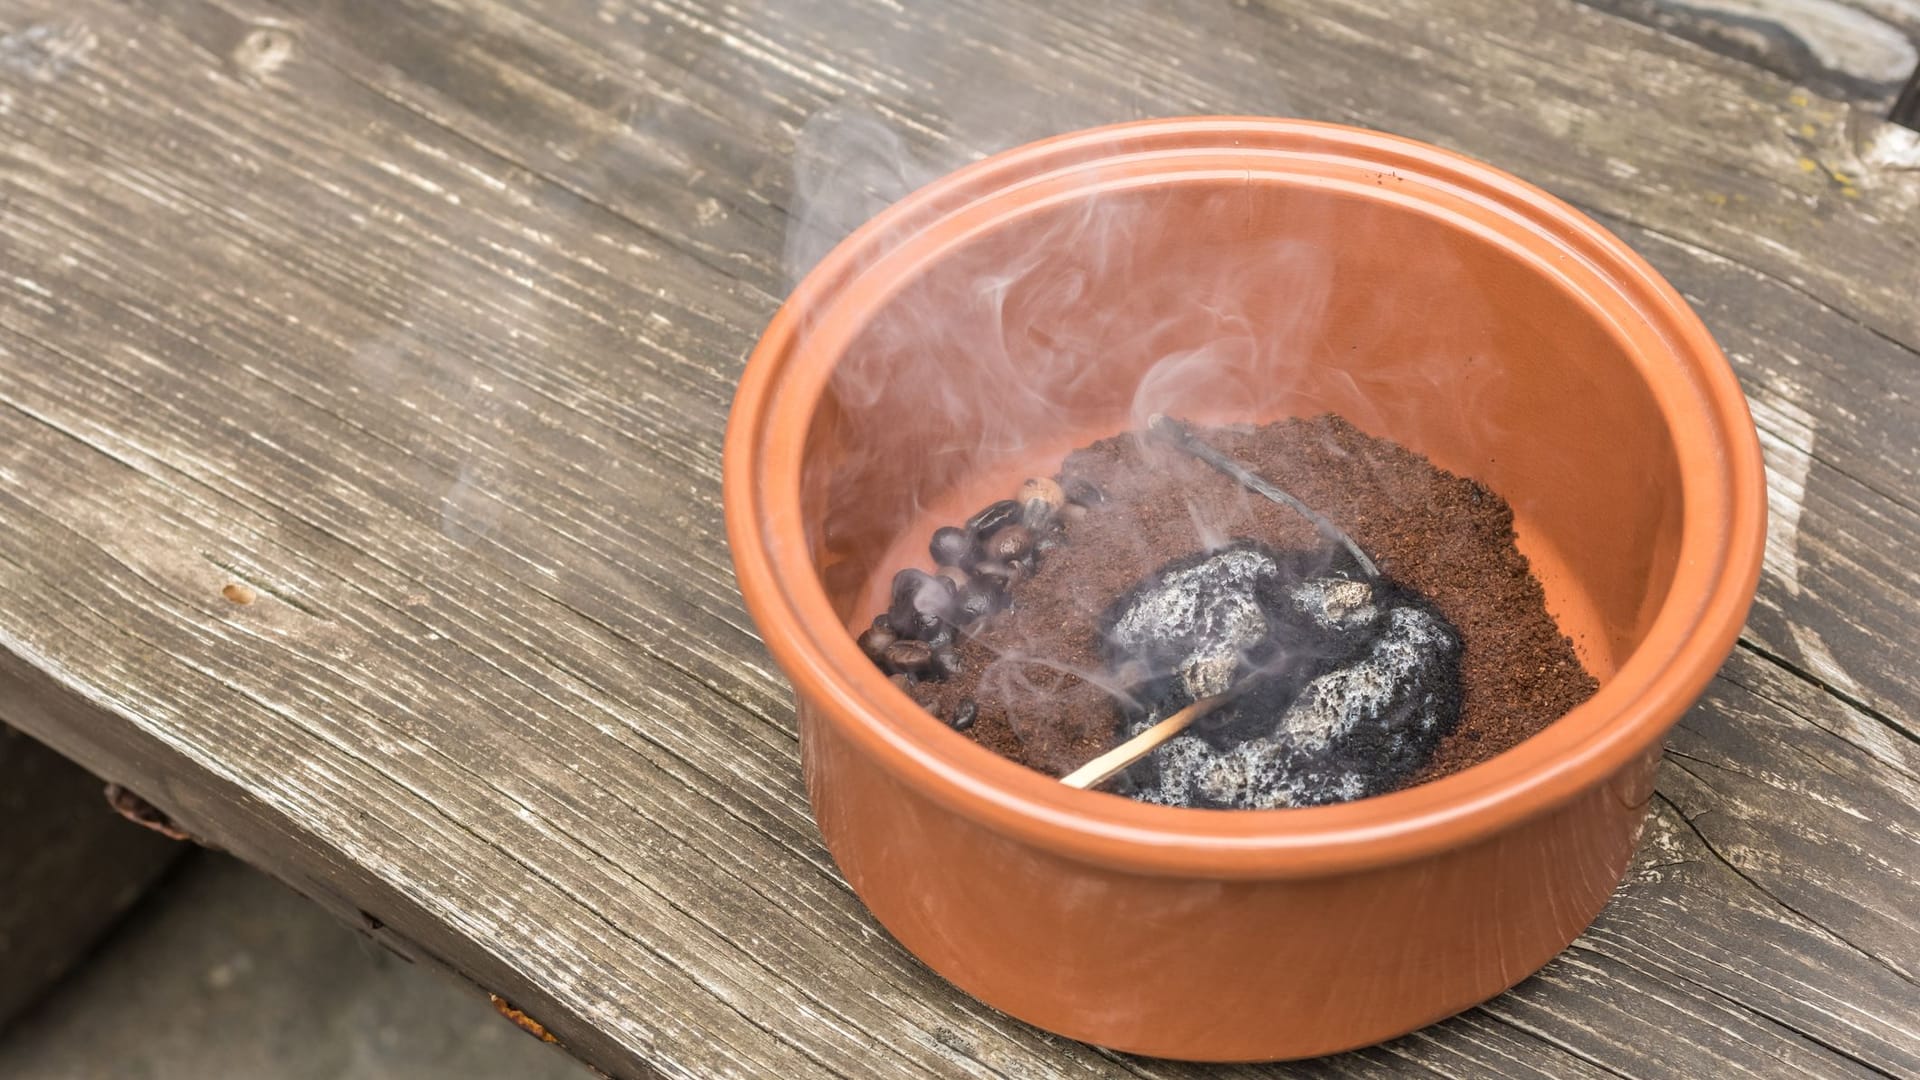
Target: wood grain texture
421,319
1855,50
69,868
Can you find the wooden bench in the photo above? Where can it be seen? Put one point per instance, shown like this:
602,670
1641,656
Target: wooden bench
418,321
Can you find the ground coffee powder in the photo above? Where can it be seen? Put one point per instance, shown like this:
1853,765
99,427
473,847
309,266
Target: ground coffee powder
1032,683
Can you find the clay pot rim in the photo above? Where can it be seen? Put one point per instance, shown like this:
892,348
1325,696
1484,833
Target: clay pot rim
1723,501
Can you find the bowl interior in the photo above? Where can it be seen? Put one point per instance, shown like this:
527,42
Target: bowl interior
1236,295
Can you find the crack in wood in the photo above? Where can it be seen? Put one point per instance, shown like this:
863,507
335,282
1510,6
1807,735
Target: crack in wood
1738,1005
1695,245
267,587
670,241
1491,1011
1794,710
1827,687
1754,883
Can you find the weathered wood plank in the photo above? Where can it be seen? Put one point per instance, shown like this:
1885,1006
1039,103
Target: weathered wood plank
422,320
69,867
1853,50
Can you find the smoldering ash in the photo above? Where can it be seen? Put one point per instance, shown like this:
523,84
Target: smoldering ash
1239,676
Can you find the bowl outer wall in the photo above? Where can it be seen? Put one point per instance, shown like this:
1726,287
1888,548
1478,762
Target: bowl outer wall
1723,527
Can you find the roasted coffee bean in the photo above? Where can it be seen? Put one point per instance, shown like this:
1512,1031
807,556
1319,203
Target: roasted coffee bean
912,581
1010,543
992,519
904,622
1036,514
1044,489
950,546
875,639
1083,492
947,663
994,574
976,602
947,584
999,581
903,681
942,637
964,714
920,600
906,584
956,575
910,657
1002,576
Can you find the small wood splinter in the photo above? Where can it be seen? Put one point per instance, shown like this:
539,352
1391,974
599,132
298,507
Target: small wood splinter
1117,759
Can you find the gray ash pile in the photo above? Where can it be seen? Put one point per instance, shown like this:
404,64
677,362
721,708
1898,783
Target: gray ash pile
1341,684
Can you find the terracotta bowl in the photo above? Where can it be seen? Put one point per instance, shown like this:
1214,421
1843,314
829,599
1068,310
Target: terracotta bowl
1240,269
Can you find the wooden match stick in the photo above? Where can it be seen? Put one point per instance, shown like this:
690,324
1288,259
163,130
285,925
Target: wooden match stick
1118,758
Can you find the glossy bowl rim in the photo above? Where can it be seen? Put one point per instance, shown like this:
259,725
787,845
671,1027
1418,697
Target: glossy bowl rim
1722,499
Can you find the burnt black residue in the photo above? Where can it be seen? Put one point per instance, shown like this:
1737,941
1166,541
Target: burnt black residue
1342,683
